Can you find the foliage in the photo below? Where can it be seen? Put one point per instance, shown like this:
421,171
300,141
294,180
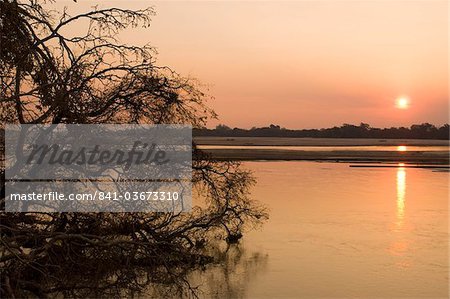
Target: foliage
48,76
422,131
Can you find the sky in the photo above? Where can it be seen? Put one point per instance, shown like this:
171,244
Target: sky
305,64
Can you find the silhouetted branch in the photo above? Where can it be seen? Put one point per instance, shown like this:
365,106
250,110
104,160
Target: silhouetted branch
49,77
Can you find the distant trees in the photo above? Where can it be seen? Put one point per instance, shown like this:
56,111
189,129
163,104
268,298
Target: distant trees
48,76
363,130
222,128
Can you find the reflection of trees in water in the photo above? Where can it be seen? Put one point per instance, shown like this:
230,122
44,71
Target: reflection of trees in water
230,277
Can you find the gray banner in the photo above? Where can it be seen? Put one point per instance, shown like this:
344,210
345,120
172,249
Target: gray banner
98,151
98,168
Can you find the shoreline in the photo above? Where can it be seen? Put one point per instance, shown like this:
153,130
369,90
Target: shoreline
437,158
307,141
335,155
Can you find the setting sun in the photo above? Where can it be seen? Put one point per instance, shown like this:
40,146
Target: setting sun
402,103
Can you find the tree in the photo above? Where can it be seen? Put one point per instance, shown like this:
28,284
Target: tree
221,127
50,77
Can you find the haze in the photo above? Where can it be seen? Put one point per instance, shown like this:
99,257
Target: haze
306,64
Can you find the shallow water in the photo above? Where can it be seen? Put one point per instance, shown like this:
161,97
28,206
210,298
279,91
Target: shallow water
340,232
376,148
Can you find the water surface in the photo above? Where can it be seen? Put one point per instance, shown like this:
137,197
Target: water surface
340,232
375,148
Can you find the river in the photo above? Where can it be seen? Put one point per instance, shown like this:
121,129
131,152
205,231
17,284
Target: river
339,232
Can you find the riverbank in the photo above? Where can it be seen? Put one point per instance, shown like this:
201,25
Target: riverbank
282,141
244,150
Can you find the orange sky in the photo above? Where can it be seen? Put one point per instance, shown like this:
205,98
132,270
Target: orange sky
305,64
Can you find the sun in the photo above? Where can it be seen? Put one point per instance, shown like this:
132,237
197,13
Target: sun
402,103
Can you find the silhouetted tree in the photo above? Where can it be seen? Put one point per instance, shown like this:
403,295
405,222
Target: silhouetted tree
422,131
48,76
222,128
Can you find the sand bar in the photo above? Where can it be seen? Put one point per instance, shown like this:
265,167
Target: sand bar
252,153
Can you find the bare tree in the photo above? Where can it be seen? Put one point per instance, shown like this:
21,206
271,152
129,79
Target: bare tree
48,76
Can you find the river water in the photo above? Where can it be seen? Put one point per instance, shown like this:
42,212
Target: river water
375,148
340,232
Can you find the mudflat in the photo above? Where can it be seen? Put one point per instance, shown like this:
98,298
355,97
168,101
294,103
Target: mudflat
417,156
284,141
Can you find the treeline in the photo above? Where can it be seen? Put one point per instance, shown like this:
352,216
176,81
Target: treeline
422,131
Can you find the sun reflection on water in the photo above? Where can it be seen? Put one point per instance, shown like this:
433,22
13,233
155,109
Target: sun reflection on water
401,191
400,246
